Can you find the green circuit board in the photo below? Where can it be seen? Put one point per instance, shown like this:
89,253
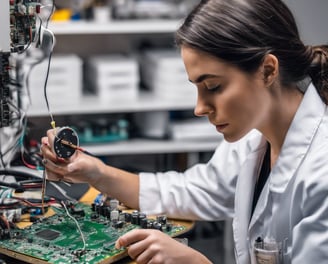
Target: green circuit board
57,239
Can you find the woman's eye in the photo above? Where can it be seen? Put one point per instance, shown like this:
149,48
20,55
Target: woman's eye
214,88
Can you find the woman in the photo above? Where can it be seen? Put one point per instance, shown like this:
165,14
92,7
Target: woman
266,92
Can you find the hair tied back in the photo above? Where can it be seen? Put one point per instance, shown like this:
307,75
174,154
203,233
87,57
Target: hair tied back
320,54
319,70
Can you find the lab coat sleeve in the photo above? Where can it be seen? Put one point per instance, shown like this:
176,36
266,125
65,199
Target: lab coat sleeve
203,192
310,234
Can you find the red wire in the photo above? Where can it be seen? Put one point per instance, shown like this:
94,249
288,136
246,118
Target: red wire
27,164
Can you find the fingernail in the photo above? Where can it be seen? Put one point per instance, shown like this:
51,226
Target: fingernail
117,245
44,161
70,167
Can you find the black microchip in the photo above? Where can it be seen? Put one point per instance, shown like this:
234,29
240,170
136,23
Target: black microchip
48,234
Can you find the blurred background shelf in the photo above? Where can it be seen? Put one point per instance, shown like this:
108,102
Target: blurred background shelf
81,40
152,146
135,26
93,105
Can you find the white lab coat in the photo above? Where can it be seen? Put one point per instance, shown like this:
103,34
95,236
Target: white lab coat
293,206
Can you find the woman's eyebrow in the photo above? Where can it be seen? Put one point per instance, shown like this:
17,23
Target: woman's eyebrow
204,77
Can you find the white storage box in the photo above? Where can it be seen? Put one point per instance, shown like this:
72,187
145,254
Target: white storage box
193,128
113,77
163,72
64,82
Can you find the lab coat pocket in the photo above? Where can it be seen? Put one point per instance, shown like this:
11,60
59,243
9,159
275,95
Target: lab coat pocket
267,251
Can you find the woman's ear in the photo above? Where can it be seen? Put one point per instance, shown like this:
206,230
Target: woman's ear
270,68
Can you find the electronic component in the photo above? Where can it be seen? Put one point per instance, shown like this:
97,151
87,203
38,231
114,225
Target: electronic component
22,23
4,90
47,234
66,142
56,239
17,31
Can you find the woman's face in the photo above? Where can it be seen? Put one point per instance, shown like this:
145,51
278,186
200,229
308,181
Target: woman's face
234,102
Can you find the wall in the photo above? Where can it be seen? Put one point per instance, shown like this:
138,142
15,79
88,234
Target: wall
312,19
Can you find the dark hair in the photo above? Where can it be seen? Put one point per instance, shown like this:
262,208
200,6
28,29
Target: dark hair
242,32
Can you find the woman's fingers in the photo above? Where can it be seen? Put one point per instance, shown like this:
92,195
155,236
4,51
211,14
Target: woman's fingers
130,238
55,171
135,241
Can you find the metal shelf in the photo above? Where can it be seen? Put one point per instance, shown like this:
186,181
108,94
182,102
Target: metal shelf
149,146
95,105
115,27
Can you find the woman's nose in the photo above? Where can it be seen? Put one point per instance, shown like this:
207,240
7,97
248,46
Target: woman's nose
201,108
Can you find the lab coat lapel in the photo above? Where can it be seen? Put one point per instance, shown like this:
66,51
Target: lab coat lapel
298,139
243,201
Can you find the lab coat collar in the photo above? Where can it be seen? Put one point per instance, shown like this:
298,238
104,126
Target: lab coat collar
298,139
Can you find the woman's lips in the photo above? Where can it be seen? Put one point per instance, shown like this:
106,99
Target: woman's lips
220,128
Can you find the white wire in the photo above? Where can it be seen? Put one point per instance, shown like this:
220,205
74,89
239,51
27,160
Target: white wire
77,224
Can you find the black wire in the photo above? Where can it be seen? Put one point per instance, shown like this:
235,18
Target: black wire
37,180
88,153
39,31
45,85
12,185
1,159
37,62
18,174
2,155
49,62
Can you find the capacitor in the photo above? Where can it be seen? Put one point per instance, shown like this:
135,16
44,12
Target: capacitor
128,217
141,216
106,212
144,223
157,226
161,219
122,217
113,204
135,218
118,224
114,215
169,227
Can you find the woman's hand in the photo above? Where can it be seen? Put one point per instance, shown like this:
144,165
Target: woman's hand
82,167
78,168
155,247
